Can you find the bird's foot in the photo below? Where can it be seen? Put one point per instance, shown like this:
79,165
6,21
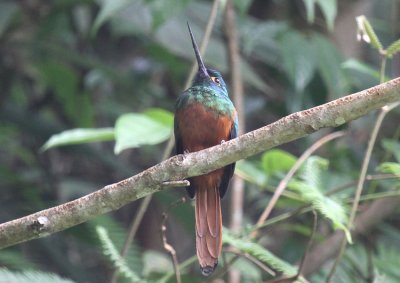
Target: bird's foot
223,141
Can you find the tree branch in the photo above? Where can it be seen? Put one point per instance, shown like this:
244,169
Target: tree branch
180,167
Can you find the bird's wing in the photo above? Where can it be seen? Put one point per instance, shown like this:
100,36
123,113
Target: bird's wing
229,169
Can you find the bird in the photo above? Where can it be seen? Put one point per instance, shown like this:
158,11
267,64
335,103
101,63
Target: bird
204,117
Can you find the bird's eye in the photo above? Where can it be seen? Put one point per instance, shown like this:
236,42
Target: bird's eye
216,80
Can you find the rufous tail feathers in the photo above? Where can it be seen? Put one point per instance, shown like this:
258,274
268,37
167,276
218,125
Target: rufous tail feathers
208,228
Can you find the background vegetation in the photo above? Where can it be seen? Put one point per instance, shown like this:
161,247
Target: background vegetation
116,67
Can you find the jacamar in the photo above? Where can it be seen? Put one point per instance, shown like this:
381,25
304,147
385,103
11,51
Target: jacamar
205,117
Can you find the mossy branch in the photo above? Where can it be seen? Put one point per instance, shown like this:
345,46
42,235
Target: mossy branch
114,196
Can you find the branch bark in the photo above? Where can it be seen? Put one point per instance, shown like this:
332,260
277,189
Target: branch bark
180,167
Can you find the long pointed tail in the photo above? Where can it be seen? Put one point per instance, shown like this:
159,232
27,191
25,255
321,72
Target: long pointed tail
208,228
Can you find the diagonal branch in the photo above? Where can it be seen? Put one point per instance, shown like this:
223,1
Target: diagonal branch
180,167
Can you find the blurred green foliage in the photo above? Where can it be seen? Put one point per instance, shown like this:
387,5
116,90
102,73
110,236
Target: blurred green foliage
75,72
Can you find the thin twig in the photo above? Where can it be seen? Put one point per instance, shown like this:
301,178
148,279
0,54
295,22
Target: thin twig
382,177
168,247
283,183
310,241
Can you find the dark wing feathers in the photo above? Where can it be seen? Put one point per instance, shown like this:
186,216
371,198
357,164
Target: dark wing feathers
229,169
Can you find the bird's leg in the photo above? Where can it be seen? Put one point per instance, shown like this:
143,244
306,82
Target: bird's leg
186,151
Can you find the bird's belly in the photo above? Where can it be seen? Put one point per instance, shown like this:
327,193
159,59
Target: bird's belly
201,127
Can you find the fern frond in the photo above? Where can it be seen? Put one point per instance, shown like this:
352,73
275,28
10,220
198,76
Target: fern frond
367,33
260,253
309,189
118,234
393,49
389,167
112,253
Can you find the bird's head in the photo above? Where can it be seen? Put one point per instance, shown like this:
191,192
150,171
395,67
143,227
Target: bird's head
204,76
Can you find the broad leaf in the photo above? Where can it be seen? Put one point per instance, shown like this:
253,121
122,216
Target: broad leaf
392,146
299,60
329,65
109,9
148,128
389,167
249,172
354,64
78,136
329,9
30,276
277,160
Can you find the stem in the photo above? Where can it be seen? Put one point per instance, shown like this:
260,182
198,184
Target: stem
283,183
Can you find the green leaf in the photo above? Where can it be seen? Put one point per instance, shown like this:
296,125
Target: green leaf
108,9
149,128
298,59
249,272
65,82
329,9
30,276
15,259
79,136
393,147
309,187
310,10
354,64
393,49
156,262
7,10
251,173
160,115
110,250
242,6
329,66
277,160
163,10
389,167
260,253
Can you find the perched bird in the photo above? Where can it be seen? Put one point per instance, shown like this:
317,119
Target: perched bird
204,117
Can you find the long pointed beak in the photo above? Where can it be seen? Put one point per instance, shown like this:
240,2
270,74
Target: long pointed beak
202,68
